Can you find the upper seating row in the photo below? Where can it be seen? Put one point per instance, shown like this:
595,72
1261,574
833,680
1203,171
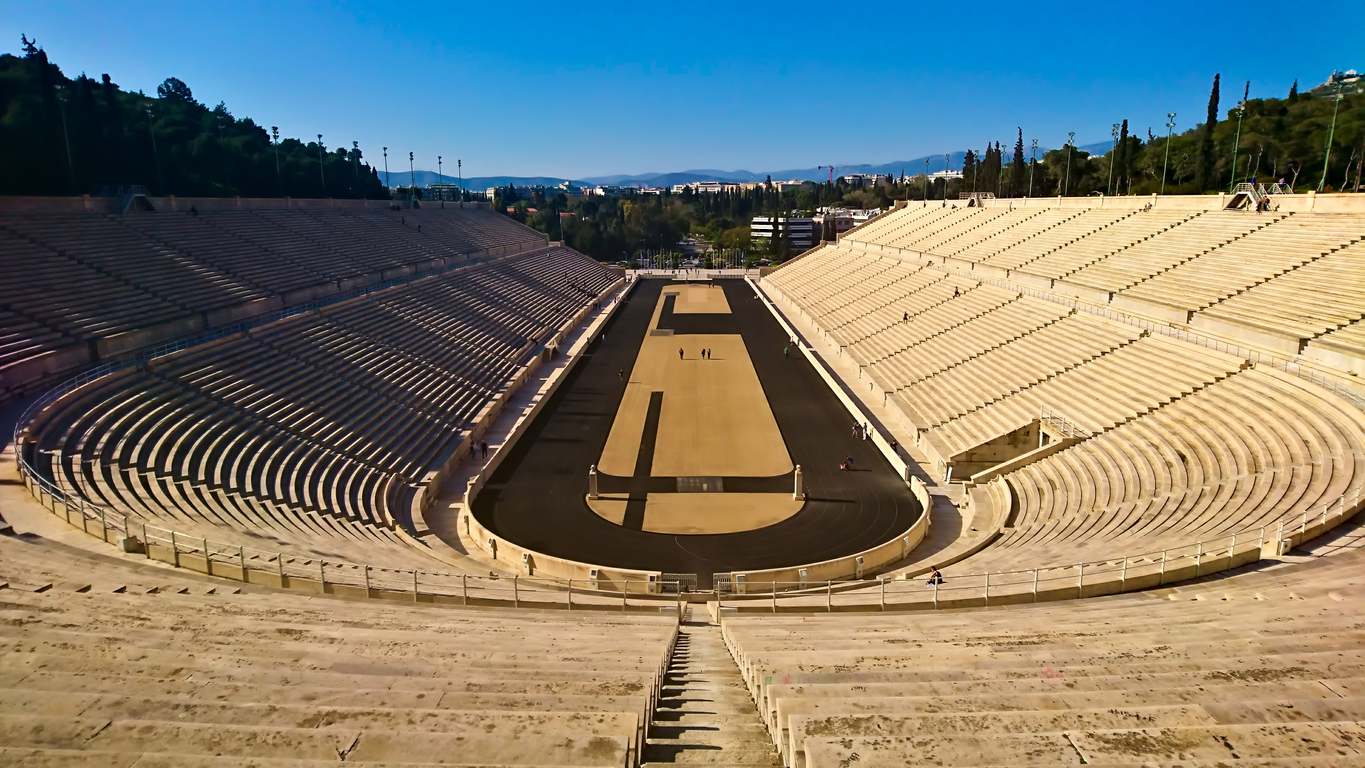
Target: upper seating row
1233,274
84,286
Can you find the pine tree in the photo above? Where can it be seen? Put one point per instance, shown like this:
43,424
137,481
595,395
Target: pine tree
1294,92
1204,171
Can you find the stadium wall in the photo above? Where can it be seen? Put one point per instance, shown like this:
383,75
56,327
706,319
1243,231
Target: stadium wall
856,566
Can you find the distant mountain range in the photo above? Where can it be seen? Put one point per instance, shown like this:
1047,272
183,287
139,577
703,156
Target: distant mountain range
670,178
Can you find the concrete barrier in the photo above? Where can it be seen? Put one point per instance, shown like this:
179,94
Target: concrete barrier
855,566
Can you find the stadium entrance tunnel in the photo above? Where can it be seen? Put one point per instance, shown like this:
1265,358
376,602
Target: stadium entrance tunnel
694,411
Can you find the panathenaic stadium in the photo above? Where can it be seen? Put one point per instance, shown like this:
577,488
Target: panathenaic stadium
1026,482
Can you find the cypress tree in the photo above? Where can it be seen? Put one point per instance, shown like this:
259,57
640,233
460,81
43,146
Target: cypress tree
1017,167
1294,92
1204,171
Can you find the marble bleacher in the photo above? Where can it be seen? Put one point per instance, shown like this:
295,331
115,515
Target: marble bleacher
1261,669
116,665
323,424
87,286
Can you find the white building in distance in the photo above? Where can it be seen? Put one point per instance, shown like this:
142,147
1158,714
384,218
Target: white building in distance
801,232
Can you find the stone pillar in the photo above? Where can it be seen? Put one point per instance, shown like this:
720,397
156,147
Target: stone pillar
592,481
799,491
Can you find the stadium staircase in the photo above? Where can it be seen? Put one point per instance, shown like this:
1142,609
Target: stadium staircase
705,715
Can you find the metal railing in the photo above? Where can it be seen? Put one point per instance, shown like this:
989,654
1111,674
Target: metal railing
280,569
197,552
1061,423
1255,192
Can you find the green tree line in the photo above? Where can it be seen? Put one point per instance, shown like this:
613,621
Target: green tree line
61,136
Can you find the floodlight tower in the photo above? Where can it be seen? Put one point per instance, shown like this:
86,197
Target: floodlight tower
412,177
1241,110
1331,132
946,160
275,142
322,175
440,179
156,156
1070,145
1170,126
1113,131
387,183
62,96
926,180
1032,161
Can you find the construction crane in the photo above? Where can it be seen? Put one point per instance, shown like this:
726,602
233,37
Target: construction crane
831,172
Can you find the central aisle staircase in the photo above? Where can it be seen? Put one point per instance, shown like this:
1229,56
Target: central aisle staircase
705,715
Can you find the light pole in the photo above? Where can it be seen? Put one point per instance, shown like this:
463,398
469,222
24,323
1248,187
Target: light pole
322,175
946,160
1113,131
459,176
1327,154
387,183
412,179
440,179
156,155
355,164
1236,144
926,180
1070,144
275,143
1032,163
66,139
1170,126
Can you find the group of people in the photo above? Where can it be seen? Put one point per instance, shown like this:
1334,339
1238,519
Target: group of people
705,353
860,432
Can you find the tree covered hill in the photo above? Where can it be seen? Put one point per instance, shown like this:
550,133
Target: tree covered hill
60,136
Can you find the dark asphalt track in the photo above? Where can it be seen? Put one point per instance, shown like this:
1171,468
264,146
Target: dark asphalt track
536,497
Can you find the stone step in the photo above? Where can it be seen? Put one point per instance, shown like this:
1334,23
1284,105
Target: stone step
690,751
665,729
701,707
706,715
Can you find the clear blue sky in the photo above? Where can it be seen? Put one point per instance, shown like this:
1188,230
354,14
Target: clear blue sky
587,88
